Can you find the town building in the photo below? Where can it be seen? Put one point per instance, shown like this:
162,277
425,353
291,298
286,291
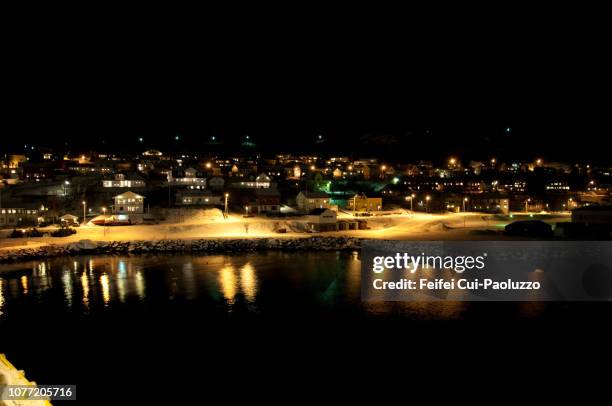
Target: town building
264,201
19,216
557,186
322,220
68,220
189,177
129,204
198,198
216,183
307,201
262,181
489,203
361,202
120,181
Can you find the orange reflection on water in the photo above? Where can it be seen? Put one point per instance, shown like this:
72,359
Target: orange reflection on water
24,284
105,289
85,285
248,281
227,280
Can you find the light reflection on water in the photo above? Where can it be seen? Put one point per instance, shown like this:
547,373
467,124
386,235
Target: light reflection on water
227,281
248,282
259,282
105,289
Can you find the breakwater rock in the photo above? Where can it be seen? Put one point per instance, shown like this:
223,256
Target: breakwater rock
203,246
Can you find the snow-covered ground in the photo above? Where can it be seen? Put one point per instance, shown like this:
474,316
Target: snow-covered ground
211,224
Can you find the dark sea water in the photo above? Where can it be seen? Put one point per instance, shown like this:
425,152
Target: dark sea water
167,319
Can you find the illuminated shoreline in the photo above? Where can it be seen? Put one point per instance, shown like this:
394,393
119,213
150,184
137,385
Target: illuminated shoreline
184,246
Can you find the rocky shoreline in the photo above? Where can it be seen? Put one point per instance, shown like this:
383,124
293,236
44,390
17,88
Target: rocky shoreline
200,246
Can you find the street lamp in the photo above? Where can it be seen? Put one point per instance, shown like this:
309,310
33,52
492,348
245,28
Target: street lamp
246,210
465,199
411,197
526,203
569,203
427,199
226,200
84,212
66,183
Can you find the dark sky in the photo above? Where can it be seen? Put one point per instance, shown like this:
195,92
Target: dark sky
440,86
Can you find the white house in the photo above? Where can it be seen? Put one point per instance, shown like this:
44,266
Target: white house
69,220
322,220
121,182
130,204
307,201
190,178
262,181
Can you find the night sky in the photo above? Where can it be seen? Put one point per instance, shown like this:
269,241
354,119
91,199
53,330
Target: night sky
386,89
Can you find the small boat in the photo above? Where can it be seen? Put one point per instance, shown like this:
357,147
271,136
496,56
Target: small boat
111,221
